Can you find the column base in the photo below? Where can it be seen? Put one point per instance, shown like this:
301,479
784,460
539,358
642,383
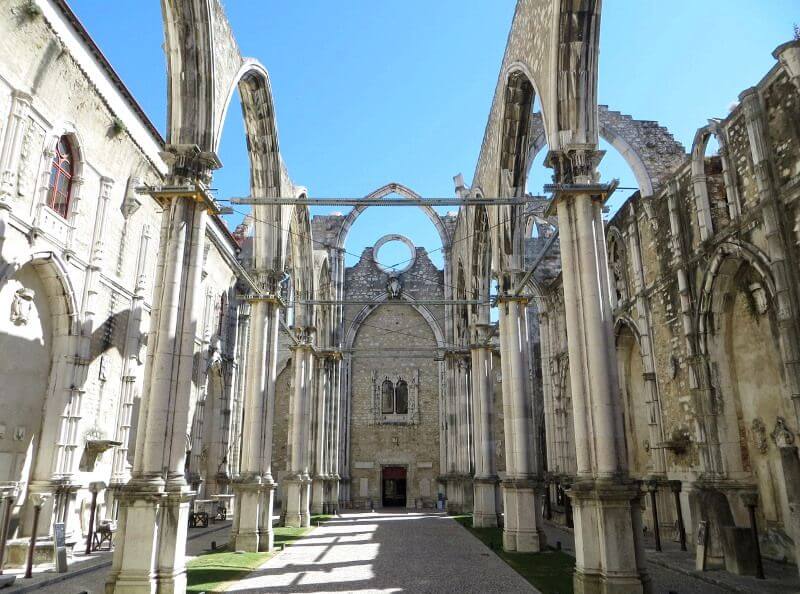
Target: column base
318,505
584,583
521,531
334,505
484,514
247,515
149,555
608,546
292,504
455,494
266,533
305,503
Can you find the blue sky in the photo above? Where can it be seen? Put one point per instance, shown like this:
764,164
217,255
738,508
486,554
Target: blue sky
368,92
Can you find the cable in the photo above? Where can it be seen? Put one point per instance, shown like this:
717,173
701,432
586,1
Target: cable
409,273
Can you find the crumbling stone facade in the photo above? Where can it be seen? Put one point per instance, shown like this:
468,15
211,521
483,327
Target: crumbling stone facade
705,301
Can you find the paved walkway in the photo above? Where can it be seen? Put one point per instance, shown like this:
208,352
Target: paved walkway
384,553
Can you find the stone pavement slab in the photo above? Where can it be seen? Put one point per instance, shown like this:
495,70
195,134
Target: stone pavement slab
385,552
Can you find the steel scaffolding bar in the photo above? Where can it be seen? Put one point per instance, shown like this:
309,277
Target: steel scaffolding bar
265,201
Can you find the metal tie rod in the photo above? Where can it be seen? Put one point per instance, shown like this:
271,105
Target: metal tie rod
391,302
266,201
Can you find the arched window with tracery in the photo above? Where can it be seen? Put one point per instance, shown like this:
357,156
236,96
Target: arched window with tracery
387,397
61,174
401,398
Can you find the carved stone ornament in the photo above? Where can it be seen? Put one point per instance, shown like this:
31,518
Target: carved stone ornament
759,434
782,435
21,306
759,296
393,287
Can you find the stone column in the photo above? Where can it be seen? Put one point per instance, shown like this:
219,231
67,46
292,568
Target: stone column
484,513
237,406
297,480
320,436
464,431
609,552
336,396
254,485
455,420
154,506
521,531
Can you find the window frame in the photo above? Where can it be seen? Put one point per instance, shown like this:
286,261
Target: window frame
61,201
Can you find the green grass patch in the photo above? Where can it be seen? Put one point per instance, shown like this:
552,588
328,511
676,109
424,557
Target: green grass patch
549,571
212,571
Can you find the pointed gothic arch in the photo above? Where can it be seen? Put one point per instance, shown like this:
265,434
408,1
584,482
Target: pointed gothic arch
405,192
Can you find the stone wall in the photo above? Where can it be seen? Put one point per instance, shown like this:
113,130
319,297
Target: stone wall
90,274
372,336
705,290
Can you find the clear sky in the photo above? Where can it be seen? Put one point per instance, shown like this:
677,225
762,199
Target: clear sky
369,92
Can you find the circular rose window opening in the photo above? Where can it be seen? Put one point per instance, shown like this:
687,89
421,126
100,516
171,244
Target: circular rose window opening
394,253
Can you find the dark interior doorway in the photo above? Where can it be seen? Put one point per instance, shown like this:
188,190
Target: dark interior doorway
394,486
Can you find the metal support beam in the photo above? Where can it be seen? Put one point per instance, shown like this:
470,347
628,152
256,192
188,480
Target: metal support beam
386,201
390,302
550,242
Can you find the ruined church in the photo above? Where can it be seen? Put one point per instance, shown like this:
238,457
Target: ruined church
632,381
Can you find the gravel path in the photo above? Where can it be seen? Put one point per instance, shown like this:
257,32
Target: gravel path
385,552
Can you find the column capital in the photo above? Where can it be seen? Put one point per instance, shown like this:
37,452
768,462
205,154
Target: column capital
788,54
457,354
187,163
482,335
576,164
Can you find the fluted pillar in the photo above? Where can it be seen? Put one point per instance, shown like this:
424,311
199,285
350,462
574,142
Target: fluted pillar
297,481
149,556
521,530
252,526
320,398
609,552
336,426
484,513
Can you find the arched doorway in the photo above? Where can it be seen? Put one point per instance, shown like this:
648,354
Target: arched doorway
747,388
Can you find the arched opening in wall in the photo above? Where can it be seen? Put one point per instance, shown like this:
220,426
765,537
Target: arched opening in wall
214,443
462,324
749,391
375,222
613,166
234,178
324,313
284,384
482,286
635,412
716,201
36,329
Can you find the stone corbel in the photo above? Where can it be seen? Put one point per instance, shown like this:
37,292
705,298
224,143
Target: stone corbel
94,448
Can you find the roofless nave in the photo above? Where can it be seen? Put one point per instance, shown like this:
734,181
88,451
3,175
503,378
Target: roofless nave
642,376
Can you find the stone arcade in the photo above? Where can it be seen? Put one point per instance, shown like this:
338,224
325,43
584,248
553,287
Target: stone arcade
155,358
